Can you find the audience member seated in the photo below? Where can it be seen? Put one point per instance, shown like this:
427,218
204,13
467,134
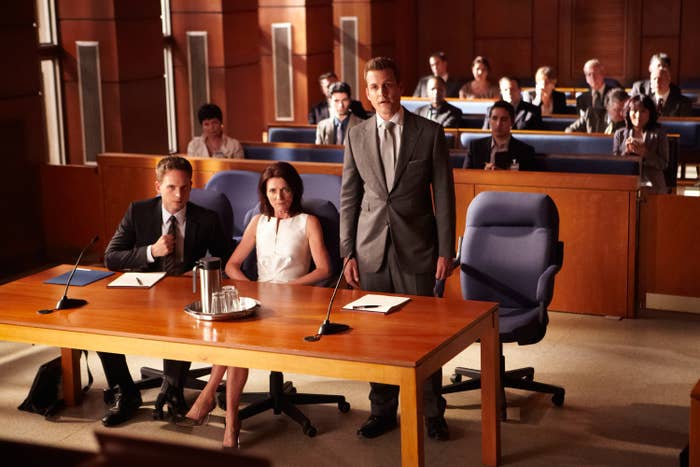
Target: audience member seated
644,137
667,96
213,142
153,236
549,101
527,116
438,65
595,77
607,120
439,110
332,130
500,150
480,87
286,240
321,111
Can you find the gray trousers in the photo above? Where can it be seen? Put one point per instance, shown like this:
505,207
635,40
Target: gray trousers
392,279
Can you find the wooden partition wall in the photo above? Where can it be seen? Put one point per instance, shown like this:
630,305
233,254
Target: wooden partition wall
598,219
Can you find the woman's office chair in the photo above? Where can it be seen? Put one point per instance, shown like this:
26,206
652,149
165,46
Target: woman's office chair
282,396
510,254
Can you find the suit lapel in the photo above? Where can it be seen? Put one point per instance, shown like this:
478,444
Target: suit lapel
409,138
369,146
191,231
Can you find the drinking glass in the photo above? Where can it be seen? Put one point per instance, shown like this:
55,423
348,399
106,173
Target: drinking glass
218,303
232,299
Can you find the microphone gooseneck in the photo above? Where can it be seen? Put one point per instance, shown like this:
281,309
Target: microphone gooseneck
327,327
66,303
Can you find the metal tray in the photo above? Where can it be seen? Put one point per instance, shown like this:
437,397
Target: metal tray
248,306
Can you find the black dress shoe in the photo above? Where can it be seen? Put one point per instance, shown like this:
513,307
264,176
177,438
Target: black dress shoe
377,425
125,406
437,428
175,400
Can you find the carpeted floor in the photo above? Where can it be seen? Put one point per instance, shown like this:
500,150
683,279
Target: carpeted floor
627,403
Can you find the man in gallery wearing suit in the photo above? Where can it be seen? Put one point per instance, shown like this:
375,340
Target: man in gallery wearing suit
669,100
392,238
594,71
439,110
332,130
438,65
166,233
527,116
500,150
607,120
321,110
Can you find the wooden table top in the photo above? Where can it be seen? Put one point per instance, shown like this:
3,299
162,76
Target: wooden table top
404,338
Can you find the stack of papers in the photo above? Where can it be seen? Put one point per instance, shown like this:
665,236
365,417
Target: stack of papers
137,279
377,303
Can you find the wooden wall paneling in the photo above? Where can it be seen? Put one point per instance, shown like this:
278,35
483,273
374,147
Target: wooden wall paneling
143,121
362,11
598,33
688,63
569,75
545,34
405,26
661,18
633,44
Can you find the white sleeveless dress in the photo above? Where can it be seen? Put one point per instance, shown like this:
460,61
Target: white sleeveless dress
283,251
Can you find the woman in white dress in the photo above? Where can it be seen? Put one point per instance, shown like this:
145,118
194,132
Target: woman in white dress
286,240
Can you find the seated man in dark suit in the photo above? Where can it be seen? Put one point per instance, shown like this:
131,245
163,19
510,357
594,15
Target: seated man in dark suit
321,111
438,65
527,116
439,110
666,95
607,120
599,86
500,150
166,233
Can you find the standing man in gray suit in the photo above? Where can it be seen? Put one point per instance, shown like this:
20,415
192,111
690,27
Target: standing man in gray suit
395,236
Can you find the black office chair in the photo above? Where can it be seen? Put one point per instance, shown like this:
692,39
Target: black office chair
510,254
282,396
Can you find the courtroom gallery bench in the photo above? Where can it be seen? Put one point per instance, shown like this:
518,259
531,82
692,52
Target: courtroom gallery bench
307,134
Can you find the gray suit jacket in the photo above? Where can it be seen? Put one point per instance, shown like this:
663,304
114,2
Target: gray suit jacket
677,105
593,120
325,131
369,212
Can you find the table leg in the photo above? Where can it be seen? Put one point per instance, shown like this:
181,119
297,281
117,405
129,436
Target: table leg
411,408
490,384
70,365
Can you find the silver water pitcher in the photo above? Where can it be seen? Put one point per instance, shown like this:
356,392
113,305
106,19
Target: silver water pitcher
209,280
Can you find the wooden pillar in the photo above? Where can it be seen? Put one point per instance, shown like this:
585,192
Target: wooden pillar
311,55
23,137
131,73
233,65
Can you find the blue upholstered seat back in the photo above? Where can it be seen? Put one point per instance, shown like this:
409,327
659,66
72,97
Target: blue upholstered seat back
241,189
291,154
291,134
217,202
322,186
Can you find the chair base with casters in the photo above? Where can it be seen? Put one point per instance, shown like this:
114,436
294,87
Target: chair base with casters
283,398
521,378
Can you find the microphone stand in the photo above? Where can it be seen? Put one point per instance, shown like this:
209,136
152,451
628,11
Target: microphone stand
327,327
66,303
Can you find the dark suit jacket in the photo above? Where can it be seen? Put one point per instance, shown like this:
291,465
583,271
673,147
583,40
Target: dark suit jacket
558,101
676,105
448,115
593,121
369,212
142,226
480,153
585,99
527,117
452,87
320,111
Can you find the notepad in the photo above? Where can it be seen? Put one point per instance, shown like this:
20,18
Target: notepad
137,279
377,303
80,278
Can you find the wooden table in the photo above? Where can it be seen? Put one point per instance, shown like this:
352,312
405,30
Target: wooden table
401,348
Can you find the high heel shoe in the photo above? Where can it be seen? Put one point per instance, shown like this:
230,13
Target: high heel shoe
188,422
236,437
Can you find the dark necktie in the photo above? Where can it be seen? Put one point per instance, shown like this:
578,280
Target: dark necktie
339,136
660,106
170,263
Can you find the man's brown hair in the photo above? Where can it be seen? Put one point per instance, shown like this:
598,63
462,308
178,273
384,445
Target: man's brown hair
173,163
382,63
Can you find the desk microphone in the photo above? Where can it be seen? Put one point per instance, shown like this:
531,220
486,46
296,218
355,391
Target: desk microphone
65,303
327,327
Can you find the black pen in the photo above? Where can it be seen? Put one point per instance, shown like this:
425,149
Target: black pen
138,280
359,307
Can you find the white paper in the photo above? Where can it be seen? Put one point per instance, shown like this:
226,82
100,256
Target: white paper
137,279
376,303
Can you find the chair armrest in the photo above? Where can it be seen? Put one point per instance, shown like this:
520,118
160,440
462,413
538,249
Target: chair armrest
545,284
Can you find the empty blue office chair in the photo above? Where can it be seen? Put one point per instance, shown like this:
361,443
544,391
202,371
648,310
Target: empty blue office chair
217,202
241,189
510,254
322,186
282,396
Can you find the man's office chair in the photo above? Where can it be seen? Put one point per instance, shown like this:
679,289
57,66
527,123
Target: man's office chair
282,396
510,254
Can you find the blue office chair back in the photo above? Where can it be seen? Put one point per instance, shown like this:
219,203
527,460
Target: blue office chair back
329,218
322,186
510,254
217,202
241,189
